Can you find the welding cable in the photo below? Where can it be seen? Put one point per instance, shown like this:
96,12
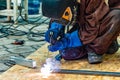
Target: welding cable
87,72
30,30
39,21
17,32
2,34
33,21
21,55
34,35
2,70
20,10
11,31
6,31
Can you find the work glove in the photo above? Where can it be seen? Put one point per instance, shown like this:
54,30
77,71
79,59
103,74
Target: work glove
70,40
54,32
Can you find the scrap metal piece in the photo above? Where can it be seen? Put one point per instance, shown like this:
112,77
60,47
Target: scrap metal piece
23,62
87,72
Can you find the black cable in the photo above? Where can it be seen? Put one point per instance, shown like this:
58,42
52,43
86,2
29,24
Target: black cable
32,35
2,70
2,34
7,30
11,31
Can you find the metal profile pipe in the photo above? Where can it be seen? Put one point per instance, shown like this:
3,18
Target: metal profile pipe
87,72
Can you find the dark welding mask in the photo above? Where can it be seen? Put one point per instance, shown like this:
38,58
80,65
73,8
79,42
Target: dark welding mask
61,10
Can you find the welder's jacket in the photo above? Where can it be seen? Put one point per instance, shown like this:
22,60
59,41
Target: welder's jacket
99,26
92,23
91,12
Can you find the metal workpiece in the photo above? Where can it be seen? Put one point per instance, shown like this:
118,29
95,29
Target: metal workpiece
87,72
24,62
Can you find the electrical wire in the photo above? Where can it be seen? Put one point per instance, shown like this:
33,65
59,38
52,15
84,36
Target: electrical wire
10,29
6,31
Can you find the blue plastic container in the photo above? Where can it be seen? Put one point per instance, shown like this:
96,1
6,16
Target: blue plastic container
33,7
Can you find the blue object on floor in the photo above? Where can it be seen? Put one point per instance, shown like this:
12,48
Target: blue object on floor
33,7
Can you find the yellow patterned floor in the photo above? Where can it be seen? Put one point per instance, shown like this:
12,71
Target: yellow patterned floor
110,63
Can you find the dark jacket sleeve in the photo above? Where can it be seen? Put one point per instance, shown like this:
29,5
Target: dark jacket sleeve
91,12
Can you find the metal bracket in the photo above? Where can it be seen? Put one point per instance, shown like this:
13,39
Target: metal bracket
87,72
23,62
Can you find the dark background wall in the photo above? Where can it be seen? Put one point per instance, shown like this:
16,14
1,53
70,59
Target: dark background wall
2,4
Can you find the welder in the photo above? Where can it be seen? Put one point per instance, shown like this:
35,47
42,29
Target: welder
92,28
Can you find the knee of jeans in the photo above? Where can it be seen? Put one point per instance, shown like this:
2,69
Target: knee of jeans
73,53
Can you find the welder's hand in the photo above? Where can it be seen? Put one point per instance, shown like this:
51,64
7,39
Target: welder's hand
70,40
53,32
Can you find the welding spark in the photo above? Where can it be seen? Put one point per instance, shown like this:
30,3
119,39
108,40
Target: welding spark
51,64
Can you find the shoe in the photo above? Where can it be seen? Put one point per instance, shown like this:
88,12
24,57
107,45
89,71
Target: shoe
94,58
113,47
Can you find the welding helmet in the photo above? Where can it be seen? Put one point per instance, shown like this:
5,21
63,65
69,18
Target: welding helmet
58,9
